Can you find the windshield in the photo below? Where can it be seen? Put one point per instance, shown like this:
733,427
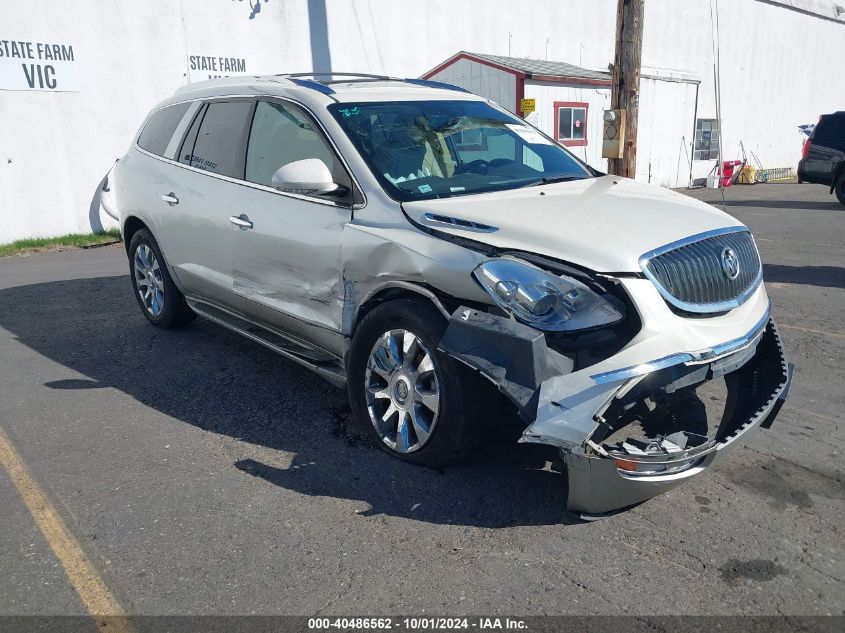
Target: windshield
434,149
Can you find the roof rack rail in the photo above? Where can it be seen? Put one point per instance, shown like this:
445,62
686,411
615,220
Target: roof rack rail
308,83
334,74
315,82
435,84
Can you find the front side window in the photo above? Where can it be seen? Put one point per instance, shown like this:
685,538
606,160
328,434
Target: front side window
219,137
571,123
284,133
434,149
156,135
706,140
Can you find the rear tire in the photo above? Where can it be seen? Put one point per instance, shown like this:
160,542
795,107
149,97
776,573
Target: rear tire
839,189
410,397
160,300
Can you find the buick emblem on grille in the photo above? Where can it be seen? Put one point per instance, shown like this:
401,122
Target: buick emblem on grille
730,263
707,274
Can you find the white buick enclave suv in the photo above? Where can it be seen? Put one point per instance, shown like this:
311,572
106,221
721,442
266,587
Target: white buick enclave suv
425,248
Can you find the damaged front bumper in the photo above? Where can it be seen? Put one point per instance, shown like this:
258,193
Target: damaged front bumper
757,386
630,433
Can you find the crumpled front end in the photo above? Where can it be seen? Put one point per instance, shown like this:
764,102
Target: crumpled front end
667,405
660,430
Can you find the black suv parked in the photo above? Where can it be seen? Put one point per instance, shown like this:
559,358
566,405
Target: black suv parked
824,155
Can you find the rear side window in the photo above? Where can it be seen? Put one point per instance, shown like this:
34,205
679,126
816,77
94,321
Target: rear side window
160,127
218,146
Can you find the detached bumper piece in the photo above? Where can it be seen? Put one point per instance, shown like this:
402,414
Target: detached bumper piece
511,355
667,436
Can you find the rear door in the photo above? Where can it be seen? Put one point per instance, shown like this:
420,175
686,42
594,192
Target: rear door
136,181
199,195
286,264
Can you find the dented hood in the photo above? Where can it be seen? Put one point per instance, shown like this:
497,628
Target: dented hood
604,224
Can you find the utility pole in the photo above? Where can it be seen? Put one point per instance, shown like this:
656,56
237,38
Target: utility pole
626,80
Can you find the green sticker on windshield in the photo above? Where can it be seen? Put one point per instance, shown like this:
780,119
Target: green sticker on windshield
424,189
348,112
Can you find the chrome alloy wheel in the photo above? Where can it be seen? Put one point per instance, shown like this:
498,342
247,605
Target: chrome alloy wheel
402,391
148,279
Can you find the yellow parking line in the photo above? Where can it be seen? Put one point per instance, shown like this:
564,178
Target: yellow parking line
96,597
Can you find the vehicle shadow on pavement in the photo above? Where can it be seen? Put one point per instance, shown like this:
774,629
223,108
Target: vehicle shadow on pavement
822,276
217,381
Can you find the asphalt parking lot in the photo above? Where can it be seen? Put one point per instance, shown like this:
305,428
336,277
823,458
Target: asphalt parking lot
201,474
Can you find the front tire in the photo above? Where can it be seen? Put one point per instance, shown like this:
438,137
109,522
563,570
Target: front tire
408,395
159,298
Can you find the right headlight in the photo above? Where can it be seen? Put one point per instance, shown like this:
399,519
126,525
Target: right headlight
544,300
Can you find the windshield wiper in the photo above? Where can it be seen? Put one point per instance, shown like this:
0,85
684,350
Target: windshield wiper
553,180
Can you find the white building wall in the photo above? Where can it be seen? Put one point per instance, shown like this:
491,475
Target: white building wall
56,146
776,69
665,131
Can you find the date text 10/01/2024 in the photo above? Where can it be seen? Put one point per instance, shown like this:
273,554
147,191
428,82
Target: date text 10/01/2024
417,623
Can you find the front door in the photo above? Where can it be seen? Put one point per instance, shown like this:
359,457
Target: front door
286,258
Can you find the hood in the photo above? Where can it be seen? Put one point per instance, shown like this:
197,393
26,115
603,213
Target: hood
604,224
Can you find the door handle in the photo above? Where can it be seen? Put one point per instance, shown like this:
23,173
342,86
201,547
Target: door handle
170,198
242,221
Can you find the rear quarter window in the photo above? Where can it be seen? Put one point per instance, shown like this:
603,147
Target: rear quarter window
159,129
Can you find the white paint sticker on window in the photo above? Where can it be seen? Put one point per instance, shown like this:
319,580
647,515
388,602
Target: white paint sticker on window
529,135
34,65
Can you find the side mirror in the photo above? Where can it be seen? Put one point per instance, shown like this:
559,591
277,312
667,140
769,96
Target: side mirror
309,176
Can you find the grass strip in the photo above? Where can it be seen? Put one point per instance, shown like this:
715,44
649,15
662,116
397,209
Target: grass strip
74,240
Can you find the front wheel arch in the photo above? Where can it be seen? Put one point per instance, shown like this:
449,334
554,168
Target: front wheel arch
454,436
393,291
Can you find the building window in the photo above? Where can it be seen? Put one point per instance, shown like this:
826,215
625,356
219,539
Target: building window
706,140
571,123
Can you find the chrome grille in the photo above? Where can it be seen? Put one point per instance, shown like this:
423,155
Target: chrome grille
692,276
